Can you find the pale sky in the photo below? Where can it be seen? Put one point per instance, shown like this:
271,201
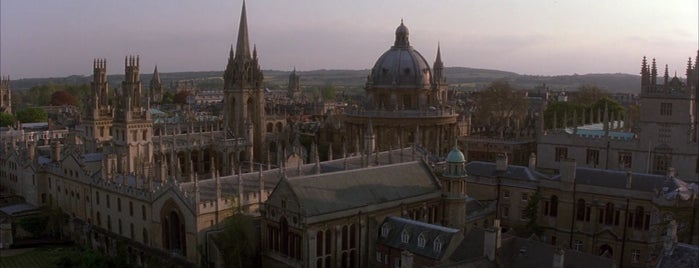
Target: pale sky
538,37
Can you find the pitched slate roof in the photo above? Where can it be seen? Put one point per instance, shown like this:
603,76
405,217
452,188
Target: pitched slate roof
342,190
431,232
487,169
639,181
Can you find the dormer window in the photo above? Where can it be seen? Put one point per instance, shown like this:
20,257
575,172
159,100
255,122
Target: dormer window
437,245
384,230
404,236
421,241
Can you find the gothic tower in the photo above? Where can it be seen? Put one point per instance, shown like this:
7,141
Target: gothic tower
5,95
133,124
156,88
243,93
440,82
668,118
98,114
294,89
454,189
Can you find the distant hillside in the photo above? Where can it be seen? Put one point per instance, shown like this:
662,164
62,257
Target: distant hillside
459,77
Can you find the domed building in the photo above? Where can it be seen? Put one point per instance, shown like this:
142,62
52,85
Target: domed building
406,103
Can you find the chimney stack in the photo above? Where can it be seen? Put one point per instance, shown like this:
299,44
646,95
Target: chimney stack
501,162
558,258
671,172
532,161
492,241
629,179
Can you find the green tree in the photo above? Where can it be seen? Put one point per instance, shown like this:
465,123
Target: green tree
567,111
36,225
32,115
328,92
613,107
6,119
499,104
168,97
238,240
40,95
55,219
589,94
531,213
563,111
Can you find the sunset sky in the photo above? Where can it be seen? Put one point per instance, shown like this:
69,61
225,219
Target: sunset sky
60,38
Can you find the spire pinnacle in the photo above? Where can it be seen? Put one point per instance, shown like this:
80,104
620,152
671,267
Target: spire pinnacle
243,44
156,75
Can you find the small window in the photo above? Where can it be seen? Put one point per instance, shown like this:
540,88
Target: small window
438,245
666,109
505,194
405,236
578,245
384,230
421,241
636,256
525,197
561,153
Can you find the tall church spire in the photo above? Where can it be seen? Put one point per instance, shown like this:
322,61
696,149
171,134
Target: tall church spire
438,67
156,87
243,45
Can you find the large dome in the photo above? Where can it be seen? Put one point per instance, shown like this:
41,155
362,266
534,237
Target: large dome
401,66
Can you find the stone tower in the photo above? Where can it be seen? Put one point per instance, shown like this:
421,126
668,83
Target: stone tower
133,124
99,114
244,111
668,118
5,95
294,89
454,189
156,88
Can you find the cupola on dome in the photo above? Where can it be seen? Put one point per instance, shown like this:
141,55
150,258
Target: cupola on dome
401,66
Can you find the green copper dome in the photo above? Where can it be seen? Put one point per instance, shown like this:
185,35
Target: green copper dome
456,156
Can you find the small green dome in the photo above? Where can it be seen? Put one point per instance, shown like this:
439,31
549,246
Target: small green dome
456,156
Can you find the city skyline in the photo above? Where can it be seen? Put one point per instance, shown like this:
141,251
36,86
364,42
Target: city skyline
56,39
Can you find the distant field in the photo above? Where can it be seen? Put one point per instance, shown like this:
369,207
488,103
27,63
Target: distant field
38,257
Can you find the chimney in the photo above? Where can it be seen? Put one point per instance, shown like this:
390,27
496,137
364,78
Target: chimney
558,258
32,151
629,179
501,162
671,172
567,170
532,161
492,241
56,151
